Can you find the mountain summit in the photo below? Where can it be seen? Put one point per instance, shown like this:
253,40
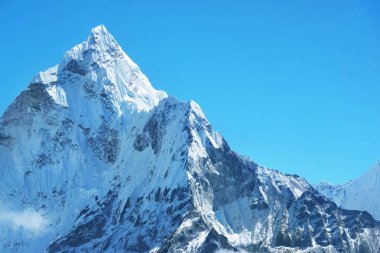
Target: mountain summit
103,69
94,159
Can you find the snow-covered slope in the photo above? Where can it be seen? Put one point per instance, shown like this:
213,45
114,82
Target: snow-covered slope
62,135
360,194
94,159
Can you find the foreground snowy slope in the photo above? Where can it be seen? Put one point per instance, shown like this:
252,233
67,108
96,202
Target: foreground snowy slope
360,194
94,159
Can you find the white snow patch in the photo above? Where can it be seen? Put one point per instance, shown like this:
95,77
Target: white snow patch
58,94
229,251
46,77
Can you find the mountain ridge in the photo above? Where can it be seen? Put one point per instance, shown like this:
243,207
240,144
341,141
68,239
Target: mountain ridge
359,194
106,163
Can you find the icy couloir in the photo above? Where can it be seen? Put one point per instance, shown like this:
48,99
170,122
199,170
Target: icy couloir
97,160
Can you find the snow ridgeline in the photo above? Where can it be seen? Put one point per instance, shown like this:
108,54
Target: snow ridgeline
359,194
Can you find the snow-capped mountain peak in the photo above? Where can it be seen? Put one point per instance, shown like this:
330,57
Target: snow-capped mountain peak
100,47
98,69
106,163
101,36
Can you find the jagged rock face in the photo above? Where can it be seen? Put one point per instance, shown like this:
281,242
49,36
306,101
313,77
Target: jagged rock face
103,162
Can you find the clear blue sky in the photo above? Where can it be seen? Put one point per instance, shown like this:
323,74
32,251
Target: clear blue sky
293,84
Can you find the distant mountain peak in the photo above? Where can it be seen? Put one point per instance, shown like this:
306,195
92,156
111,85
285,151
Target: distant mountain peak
358,194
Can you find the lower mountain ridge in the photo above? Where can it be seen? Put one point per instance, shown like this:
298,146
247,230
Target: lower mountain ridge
94,159
359,194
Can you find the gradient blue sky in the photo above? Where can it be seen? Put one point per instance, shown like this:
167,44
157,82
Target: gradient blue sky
295,84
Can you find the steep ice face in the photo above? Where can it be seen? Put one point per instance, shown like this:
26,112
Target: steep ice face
100,161
359,194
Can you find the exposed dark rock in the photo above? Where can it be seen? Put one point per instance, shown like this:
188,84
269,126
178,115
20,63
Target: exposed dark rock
42,160
6,140
75,67
81,235
141,142
214,242
154,130
105,144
